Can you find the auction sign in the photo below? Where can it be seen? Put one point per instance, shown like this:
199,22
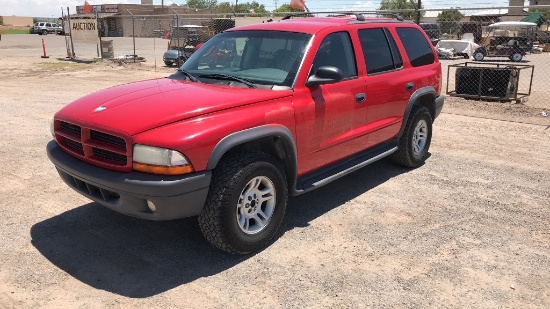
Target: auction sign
84,30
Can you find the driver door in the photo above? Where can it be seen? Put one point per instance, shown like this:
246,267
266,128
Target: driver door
329,116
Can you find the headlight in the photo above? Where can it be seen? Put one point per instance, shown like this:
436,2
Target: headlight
157,160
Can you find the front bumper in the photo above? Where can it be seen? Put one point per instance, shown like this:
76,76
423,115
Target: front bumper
174,196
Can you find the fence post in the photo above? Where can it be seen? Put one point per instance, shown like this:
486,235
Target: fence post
418,7
70,33
172,34
133,34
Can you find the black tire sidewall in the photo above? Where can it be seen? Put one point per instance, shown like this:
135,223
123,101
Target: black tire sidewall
239,240
420,114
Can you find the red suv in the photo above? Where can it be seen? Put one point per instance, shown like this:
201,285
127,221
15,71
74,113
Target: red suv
258,113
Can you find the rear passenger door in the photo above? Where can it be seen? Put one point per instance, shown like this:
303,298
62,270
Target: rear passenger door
388,86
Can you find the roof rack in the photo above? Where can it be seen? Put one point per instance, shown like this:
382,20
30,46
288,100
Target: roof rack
358,15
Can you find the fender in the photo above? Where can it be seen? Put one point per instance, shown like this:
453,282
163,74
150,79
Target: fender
417,94
255,133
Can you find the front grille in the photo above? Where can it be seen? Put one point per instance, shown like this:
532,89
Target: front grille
70,128
101,148
76,146
109,155
107,138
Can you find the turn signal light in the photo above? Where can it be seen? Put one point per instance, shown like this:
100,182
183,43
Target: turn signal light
163,170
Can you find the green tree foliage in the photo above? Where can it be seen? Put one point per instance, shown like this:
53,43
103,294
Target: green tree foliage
285,8
397,5
247,7
202,4
449,21
225,8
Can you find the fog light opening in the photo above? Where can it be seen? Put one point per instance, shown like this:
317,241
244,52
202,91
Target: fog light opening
152,206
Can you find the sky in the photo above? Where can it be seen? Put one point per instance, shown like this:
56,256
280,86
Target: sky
52,8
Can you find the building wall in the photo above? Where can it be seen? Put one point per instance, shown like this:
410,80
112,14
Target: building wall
516,11
539,2
17,21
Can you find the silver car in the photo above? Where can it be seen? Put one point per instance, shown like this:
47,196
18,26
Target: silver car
43,28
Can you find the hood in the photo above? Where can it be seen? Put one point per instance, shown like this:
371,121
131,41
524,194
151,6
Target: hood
141,106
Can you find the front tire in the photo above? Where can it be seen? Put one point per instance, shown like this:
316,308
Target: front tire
415,141
479,56
44,32
246,203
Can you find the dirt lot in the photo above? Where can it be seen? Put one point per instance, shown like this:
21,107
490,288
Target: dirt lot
469,229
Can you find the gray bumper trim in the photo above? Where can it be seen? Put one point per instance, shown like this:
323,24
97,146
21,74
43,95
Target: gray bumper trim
127,193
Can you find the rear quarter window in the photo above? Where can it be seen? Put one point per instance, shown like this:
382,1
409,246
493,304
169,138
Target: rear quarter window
417,47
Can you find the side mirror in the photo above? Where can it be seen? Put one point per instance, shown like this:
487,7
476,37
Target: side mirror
325,75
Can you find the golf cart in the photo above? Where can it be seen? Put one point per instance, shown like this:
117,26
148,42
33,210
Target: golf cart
506,39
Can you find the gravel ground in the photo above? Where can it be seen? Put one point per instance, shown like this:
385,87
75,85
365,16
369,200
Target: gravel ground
469,229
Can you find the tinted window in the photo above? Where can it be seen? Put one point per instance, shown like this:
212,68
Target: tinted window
379,50
417,47
336,51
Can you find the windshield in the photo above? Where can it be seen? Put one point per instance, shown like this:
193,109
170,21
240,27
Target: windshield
263,58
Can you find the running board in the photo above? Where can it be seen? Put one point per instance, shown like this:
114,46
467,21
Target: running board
341,168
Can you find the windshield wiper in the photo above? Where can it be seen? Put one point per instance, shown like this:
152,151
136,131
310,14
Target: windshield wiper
230,77
190,76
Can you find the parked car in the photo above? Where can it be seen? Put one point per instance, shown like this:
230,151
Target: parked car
43,28
282,108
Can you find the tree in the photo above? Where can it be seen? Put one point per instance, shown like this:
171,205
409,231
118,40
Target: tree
202,4
285,8
398,5
247,7
224,8
449,21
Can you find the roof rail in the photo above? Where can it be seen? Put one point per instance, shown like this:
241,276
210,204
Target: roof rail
360,16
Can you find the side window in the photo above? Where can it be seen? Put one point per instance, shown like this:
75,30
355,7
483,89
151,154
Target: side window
417,47
379,49
48,25
336,51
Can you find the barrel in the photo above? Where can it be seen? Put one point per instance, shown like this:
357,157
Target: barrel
107,49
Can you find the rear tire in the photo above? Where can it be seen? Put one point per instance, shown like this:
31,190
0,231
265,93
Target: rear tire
246,203
516,57
415,141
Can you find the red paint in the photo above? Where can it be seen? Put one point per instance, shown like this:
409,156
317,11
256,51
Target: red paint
326,121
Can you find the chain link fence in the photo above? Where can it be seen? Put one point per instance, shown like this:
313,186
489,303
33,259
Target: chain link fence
484,55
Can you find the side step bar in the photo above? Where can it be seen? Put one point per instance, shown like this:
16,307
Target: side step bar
341,168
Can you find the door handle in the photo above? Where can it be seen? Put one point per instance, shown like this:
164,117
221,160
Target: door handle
409,86
360,97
